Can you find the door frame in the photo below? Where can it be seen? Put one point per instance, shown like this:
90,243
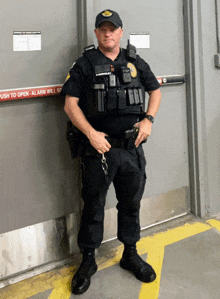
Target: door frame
195,107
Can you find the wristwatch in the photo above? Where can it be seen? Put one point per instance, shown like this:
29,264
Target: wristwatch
150,117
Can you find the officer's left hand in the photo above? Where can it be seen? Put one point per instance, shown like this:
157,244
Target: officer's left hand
144,131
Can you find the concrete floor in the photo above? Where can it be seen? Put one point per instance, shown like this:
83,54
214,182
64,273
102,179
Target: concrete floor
185,254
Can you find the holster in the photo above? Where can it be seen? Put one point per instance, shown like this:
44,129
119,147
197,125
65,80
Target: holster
73,136
131,136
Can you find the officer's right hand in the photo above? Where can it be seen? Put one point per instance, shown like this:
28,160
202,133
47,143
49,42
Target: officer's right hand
99,142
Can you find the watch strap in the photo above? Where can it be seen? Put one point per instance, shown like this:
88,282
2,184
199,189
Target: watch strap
150,117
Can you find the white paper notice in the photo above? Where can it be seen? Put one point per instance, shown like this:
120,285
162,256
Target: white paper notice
140,40
27,41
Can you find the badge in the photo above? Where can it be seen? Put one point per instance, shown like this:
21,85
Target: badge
107,13
132,69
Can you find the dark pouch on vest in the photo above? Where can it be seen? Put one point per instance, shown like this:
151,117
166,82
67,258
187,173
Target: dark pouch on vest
136,96
122,99
130,97
99,90
112,99
141,97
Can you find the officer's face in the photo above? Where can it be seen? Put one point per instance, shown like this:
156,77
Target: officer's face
108,36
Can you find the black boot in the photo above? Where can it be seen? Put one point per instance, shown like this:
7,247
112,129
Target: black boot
88,267
133,262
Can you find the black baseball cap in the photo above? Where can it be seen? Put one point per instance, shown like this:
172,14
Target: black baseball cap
110,16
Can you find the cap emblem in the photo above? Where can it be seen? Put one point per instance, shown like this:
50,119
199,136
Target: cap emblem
107,13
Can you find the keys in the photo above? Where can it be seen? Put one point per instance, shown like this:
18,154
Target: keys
104,164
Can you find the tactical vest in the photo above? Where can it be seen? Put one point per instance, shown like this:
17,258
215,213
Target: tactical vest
116,89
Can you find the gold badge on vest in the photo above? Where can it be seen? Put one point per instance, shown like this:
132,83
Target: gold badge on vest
132,69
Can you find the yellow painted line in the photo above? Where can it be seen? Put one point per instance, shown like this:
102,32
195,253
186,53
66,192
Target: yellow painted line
214,223
171,236
59,280
62,289
32,286
155,259
155,246
163,238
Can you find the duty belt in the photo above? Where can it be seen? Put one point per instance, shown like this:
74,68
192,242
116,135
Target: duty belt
117,142
126,142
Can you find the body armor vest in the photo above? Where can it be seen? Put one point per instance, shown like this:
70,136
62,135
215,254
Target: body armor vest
116,89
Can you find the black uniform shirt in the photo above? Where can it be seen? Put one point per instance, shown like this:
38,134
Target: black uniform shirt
82,72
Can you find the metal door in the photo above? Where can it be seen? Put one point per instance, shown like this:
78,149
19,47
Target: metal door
39,184
166,194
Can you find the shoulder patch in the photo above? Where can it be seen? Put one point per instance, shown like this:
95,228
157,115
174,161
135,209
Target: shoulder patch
68,76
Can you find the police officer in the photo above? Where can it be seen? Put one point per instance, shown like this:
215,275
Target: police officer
105,100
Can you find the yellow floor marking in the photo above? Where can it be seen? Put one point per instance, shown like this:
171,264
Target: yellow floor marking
163,238
59,280
171,236
214,223
155,246
62,289
32,286
155,259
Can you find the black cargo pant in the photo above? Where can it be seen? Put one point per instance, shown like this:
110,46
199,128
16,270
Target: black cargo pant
126,169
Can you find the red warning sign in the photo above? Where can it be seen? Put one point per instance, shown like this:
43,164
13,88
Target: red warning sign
33,92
